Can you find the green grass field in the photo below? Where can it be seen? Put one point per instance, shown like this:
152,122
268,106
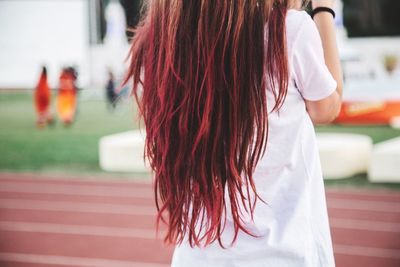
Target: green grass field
56,148
74,150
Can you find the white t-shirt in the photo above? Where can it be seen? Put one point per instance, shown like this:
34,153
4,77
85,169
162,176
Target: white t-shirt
292,228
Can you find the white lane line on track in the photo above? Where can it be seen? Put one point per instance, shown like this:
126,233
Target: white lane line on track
84,190
367,251
365,225
66,206
367,205
106,191
72,261
90,262
369,226
81,179
362,193
361,205
69,229
144,234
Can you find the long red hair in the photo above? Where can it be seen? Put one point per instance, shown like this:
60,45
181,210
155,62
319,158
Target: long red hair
200,71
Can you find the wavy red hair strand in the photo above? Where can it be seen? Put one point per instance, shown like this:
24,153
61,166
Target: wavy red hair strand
200,72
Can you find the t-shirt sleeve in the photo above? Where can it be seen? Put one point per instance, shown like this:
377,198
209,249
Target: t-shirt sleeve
312,77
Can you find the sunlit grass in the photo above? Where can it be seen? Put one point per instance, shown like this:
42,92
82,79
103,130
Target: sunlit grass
57,148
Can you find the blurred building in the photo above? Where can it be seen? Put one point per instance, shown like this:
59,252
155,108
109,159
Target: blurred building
90,34
369,44
371,18
371,33
37,32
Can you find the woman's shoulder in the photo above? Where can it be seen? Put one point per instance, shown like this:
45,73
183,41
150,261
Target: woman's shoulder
298,23
296,16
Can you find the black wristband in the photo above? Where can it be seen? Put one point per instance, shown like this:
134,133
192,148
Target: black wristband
323,9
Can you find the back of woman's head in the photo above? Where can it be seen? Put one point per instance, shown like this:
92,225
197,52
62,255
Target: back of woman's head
200,70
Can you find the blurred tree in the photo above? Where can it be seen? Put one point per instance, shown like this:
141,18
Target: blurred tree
364,18
132,13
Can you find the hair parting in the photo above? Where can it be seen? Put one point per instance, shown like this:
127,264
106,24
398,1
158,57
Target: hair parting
201,70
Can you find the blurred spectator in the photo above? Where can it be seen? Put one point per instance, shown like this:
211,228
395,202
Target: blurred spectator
110,91
42,99
67,94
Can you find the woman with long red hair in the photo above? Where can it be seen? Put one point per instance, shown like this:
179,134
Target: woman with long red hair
229,91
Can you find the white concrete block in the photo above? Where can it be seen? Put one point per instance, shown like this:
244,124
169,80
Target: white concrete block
385,162
395,122
123,152
344,155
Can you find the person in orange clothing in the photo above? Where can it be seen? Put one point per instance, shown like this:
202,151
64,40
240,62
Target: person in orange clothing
42,98
66,98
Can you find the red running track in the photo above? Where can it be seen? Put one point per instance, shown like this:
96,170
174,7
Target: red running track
47,222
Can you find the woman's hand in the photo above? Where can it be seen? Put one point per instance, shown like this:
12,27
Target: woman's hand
323,3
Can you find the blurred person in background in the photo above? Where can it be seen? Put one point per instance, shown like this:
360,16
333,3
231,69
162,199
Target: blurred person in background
42,97
229,92
111,95
67,95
